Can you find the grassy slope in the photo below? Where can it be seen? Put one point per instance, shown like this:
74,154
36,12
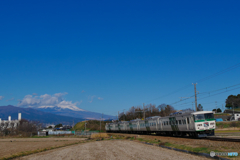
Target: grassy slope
228,124
92,125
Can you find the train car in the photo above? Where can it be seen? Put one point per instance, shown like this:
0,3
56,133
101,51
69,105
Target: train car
193,124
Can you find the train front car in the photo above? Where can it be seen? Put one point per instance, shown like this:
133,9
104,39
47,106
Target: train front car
204,123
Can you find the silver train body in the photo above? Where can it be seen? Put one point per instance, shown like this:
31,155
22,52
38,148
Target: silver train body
193,124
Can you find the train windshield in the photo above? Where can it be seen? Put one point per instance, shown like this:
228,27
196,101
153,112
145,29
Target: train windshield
203,116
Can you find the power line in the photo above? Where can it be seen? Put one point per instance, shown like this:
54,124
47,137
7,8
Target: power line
219,93
219,89
201,80
180,89
220,72
205,93
212,95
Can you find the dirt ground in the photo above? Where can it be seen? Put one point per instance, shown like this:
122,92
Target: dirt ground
112,150
12,146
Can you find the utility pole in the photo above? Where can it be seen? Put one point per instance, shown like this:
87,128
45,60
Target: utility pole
192,106
195,90
142,111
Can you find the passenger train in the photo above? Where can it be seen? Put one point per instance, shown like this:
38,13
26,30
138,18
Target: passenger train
193,124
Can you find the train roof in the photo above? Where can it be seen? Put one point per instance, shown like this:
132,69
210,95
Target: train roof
153,117
202,112
123,122
134,120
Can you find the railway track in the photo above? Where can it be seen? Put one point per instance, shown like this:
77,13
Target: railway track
207,138
223,139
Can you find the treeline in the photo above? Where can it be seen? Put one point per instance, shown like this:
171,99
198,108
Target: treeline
149,109
25,128
233,101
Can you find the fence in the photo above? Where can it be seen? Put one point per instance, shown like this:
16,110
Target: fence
85,133
59,132
79,133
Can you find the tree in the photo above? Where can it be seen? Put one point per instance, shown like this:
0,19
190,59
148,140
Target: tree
233,101
28,127
58,125
149,110
219,110
199,107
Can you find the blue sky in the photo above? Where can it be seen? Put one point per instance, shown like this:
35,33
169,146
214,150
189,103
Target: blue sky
106,56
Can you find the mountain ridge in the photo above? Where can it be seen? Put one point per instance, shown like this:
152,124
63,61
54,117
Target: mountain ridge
35,115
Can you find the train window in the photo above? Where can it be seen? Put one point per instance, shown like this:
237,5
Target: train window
176,122
179,122
187,120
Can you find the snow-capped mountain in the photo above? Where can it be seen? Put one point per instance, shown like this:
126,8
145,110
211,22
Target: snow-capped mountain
56,104
75,113
35,115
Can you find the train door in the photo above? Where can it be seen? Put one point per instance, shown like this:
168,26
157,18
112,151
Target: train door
160,125
187,123
138,126
156,124
191,123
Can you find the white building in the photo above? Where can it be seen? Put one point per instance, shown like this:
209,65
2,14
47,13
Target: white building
10,123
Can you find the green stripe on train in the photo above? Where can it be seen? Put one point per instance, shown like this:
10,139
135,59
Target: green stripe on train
205,120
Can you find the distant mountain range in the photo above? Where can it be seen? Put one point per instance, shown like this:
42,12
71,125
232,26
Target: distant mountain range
76,114
35,115
53,115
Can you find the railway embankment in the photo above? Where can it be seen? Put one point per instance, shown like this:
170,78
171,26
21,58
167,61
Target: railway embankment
188,144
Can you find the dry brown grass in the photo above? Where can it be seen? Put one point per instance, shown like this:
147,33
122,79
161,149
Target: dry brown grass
21,146
99,135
